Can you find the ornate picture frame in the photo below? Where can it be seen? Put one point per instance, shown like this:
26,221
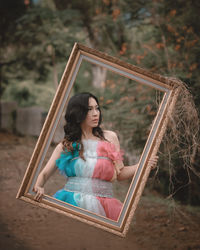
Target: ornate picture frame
170,90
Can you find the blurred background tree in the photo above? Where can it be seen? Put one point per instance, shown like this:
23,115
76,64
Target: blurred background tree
162,36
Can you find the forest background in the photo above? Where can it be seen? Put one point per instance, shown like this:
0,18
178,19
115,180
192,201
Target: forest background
162,36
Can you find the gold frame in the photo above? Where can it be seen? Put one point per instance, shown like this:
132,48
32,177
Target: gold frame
170,89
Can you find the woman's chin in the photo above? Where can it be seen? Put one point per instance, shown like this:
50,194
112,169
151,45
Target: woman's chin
95,124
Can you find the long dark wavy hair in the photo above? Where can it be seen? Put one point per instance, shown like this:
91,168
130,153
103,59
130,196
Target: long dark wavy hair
76,113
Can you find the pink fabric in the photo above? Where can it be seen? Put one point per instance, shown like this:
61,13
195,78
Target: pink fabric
104,168
108,149
112,207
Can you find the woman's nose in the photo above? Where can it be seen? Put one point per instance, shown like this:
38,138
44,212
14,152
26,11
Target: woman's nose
95,112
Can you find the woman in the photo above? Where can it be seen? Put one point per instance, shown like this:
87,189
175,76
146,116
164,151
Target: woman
90,158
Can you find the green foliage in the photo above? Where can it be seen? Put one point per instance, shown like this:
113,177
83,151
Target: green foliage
26,93
83,81
43,37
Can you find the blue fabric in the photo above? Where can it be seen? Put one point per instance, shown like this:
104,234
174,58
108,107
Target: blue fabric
65,164
65,196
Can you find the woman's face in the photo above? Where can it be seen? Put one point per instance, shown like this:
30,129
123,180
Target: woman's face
92,118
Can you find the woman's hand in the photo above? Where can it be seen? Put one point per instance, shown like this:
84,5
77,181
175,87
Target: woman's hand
39,193
152,163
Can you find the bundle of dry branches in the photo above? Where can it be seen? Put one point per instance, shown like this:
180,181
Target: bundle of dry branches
181,142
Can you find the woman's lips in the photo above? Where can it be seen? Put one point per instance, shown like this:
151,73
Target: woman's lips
96,120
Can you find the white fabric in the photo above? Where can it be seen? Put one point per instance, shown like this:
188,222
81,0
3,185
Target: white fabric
86,168
89,203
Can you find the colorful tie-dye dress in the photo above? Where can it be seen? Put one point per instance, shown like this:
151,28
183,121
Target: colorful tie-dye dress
89,180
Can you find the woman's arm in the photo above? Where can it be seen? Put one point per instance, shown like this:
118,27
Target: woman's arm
129,171
47,171
126,172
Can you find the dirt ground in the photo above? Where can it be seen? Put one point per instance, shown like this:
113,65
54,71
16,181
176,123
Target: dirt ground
156,224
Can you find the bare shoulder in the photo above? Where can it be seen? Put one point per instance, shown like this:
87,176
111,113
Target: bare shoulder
110,136
59,147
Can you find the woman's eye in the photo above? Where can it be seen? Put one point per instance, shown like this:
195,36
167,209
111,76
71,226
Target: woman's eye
96,108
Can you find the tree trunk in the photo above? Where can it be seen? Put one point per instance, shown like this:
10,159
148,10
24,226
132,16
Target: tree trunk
99,76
